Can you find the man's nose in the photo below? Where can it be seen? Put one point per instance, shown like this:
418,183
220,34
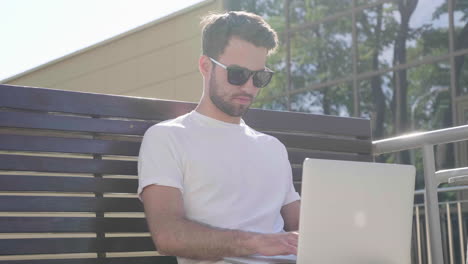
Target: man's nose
249,86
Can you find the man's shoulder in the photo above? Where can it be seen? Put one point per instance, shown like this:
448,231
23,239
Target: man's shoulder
170,125
263,137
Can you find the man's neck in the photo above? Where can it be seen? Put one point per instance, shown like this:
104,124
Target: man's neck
213,112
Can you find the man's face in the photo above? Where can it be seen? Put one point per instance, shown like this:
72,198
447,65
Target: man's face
232,99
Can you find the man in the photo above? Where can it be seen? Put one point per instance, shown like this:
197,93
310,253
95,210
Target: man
213,187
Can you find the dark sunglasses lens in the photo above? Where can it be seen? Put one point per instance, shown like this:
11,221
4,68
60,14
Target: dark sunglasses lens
262,78
238,76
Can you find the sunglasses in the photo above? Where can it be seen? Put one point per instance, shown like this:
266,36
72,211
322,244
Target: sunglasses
238,75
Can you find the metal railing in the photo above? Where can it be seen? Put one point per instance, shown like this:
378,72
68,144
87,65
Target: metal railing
432,179
453,226
452,232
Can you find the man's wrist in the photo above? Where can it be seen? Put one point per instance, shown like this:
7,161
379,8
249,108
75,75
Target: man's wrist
249,242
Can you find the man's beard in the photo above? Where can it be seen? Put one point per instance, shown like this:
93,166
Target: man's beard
222,103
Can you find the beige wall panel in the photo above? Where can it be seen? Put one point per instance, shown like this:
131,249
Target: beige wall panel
163,90
81,64
185,26
186,55
39,78
160,36
92,83
94,60
112,80
189,87
155,67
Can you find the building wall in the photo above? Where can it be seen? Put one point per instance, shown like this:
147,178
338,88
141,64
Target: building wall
158,60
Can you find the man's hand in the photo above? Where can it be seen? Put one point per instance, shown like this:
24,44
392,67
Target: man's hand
275,244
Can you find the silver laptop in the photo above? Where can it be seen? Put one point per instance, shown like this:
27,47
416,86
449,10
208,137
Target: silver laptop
352,212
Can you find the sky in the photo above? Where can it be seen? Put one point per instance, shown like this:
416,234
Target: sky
34,32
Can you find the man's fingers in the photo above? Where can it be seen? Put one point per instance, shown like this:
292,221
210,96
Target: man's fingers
279,244
290,250
293,239
293,242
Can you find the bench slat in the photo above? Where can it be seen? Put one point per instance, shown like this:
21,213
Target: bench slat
298,187
66,165
11,203
21,183
325,144
298,157
71,224
52,100
79,184
66,184
149,260
127,148
74,245
66,123
294,121
76,184
53,261
16,119
126,260
297,174
69,145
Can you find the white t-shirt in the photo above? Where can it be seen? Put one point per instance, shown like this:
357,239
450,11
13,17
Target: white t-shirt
230,175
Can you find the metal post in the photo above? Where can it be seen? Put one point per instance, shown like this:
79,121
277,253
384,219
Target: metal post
356,101
428,236
418,234
288,55
449,232
460,232
453,82
432,205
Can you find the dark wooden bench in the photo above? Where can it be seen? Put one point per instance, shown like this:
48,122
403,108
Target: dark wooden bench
68,170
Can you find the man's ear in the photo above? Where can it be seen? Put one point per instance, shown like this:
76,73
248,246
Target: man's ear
205,65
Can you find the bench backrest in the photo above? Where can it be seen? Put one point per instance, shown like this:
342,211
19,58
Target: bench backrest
68,169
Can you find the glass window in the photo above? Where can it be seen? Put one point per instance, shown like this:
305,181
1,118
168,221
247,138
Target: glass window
278,104
461,74
465,114
375,99
368,2
428,29
308,102
322,53
307,11
390,32
376,34
462,106
429,96
335,100
460,17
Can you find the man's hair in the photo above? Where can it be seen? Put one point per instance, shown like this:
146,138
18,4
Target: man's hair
219,28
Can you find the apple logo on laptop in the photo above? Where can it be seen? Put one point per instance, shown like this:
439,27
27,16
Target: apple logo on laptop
360,219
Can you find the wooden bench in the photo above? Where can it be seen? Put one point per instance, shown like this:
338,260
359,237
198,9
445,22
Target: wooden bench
68,170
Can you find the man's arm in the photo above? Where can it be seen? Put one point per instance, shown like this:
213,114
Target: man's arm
175,235
290,213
